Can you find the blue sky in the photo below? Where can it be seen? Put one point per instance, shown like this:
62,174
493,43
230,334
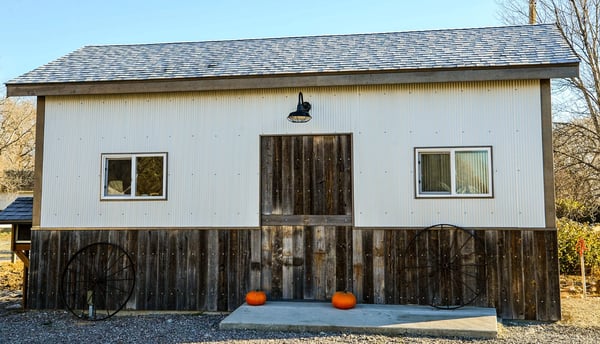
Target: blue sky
38,31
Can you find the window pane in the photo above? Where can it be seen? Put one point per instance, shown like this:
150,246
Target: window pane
435,172
149,172
118,177
23,232
472,172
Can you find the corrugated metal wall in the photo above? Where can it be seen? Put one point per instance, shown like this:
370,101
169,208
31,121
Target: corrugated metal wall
505,116
213,146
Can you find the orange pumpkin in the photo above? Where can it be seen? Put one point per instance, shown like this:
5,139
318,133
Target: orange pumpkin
343,300
256,298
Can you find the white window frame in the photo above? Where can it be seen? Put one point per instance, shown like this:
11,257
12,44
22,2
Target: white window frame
452,151
133,157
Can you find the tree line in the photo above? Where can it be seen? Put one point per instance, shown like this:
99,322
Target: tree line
17,145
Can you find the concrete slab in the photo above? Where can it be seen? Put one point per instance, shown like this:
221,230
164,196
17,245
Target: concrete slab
473,322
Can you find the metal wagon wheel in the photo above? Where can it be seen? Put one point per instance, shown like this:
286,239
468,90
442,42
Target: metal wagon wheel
98,281
448,265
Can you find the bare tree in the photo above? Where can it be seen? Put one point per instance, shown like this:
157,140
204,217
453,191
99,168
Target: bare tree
17,144
576,104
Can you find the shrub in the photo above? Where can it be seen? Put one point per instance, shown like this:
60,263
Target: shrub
575,210
569,233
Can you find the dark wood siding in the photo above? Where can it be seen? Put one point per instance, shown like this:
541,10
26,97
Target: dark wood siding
211,270
306,215
306,175
178,269
306,262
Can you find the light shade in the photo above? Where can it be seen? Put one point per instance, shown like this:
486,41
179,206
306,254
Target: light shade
301,114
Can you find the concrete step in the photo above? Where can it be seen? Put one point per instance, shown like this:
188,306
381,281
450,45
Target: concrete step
474,322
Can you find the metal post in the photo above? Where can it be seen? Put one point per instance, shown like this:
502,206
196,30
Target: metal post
90,302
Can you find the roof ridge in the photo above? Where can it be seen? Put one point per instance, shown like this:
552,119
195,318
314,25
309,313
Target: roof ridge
316,36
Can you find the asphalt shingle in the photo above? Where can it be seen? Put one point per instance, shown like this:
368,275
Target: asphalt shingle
510,46
20,210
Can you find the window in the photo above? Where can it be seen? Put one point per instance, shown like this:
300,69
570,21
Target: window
454,172
134,176
22,233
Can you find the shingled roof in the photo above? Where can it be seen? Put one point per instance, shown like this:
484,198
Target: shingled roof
19,211
398,52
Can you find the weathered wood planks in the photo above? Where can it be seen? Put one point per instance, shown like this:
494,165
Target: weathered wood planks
212,269
309,263
307,175
179,269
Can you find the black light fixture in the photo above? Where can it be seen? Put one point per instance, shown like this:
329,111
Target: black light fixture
301,114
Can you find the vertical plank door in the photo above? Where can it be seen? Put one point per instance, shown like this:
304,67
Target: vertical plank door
306,215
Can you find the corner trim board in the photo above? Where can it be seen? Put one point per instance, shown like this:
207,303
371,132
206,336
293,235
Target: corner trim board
39,160
547,153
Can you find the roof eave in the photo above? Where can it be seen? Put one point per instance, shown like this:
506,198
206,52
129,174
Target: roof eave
526,72
15,222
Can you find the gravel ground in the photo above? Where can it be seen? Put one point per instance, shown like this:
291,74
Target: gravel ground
581,324
61,327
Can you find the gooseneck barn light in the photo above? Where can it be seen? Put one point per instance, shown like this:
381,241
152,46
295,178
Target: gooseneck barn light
301,114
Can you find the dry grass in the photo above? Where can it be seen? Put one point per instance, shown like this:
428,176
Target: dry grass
578,310
581,312
11,276
5,252
571,286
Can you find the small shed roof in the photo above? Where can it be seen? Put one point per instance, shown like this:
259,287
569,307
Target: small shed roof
19,211
394,57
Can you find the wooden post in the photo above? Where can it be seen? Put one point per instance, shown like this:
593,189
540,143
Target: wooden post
583,275
25,282
532,12
581,248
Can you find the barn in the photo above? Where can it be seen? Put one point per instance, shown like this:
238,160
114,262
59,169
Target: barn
407,167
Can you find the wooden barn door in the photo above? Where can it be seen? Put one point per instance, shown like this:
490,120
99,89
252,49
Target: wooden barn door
306,216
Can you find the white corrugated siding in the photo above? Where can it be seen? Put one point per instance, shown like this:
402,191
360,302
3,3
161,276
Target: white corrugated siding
212,140
506,116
